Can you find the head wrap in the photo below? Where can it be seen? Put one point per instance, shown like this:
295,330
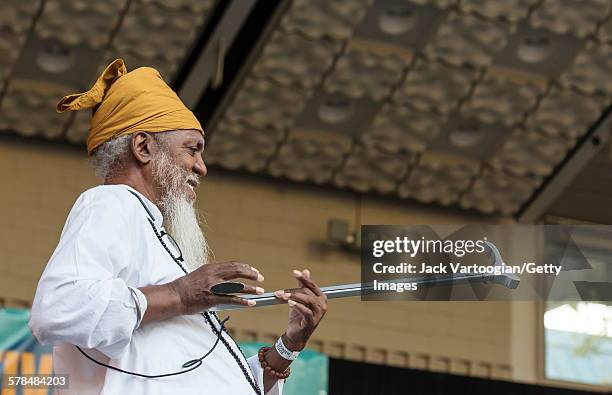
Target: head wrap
124,103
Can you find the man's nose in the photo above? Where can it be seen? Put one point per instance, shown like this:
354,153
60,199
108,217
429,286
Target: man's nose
200,167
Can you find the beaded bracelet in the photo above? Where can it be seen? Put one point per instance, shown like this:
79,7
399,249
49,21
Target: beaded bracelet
268,369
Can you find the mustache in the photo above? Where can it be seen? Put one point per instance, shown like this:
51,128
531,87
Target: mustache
183,176
193,178
172,177
188,176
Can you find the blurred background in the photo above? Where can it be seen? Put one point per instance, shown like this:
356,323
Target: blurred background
322,116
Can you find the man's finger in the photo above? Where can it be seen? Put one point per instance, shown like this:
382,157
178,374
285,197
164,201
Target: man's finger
249,289
282,294
236,300
310,301
307,282
308,314
303,290
235,270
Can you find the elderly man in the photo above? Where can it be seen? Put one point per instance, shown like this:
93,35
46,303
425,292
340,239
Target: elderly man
125,303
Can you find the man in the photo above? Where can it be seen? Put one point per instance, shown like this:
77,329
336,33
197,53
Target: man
128,294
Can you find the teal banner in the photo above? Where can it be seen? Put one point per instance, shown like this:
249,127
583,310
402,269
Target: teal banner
21,354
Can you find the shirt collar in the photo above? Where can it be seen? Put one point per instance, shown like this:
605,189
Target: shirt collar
158,218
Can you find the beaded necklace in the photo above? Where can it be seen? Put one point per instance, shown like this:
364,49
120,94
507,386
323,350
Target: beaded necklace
205,314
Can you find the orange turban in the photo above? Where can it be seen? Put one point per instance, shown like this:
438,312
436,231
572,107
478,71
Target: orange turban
124,103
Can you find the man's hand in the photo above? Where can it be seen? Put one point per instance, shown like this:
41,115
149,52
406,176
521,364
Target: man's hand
192,293
194,289
307,306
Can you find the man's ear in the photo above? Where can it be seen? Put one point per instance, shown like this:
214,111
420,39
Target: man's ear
143,147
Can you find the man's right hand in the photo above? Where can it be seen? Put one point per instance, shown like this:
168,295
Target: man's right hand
194,289
192,293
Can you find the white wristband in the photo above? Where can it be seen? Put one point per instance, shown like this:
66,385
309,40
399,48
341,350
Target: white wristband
284,351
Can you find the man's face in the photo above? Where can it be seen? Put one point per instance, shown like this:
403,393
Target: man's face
184,149
176,167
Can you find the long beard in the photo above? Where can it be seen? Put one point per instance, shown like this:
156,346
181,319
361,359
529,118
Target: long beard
180,214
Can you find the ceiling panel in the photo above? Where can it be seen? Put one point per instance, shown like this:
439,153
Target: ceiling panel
52,48
368,169
435,87
482,97
398,128
590,72
499,99
378,71
291,59
79,22
565,113
578,18
264,103
527,153
466,103
310,155
25,98
236,146
464,39
439,178
497,191
509,10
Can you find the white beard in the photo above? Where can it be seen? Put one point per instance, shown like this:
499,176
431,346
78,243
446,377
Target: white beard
180,214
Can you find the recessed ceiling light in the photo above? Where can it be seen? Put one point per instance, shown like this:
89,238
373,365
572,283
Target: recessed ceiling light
466,135
397,20
534,49
55,58
335,109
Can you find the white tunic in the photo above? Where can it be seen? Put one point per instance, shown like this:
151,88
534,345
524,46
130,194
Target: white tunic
83,299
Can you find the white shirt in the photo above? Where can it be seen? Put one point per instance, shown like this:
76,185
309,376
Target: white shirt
84,299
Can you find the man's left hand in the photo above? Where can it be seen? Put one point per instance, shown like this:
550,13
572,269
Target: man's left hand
307,306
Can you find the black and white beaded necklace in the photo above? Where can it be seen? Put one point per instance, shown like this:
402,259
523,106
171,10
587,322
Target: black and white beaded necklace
206,315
